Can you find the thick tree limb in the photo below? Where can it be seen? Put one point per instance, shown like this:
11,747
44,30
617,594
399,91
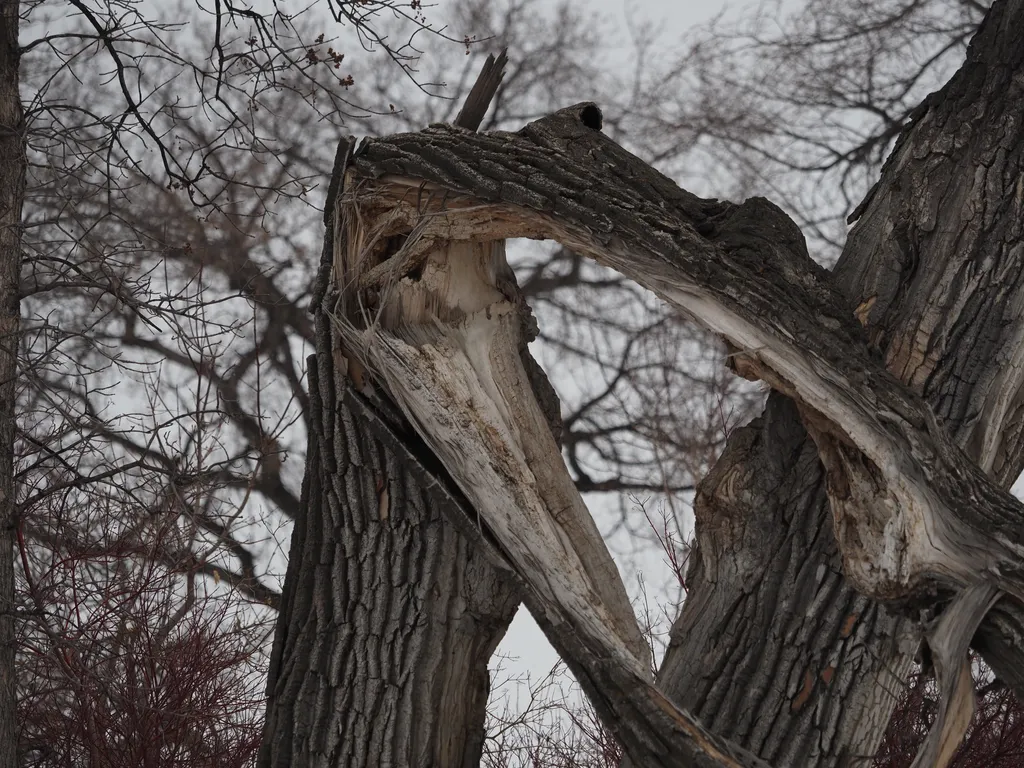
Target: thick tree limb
911,510
479,99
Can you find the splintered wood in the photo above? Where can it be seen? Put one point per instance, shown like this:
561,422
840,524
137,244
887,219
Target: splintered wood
429,307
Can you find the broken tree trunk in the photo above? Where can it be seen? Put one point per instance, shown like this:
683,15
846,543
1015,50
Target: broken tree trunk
913,515
914,519
438,324
389,614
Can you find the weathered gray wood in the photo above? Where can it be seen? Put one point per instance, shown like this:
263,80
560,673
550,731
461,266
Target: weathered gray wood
480,95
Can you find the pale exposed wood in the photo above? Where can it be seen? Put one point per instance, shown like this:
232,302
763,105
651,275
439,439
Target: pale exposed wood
446,344
390,613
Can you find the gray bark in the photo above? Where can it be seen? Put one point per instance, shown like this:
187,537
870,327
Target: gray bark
389,616
12,196
937,254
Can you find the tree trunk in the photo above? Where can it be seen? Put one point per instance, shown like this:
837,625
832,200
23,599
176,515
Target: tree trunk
812,669
12,196
389,616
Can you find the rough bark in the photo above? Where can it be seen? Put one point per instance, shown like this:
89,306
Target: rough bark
389,615
934,264
12,196
938,252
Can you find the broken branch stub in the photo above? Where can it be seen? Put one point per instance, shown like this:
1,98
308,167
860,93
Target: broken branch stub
912,513
949,639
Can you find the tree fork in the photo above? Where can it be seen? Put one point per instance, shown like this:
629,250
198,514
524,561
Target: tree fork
915,519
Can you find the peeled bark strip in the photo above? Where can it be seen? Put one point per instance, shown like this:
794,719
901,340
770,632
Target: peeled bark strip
949,641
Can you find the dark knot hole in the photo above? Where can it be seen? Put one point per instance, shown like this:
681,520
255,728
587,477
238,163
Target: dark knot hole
591,117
